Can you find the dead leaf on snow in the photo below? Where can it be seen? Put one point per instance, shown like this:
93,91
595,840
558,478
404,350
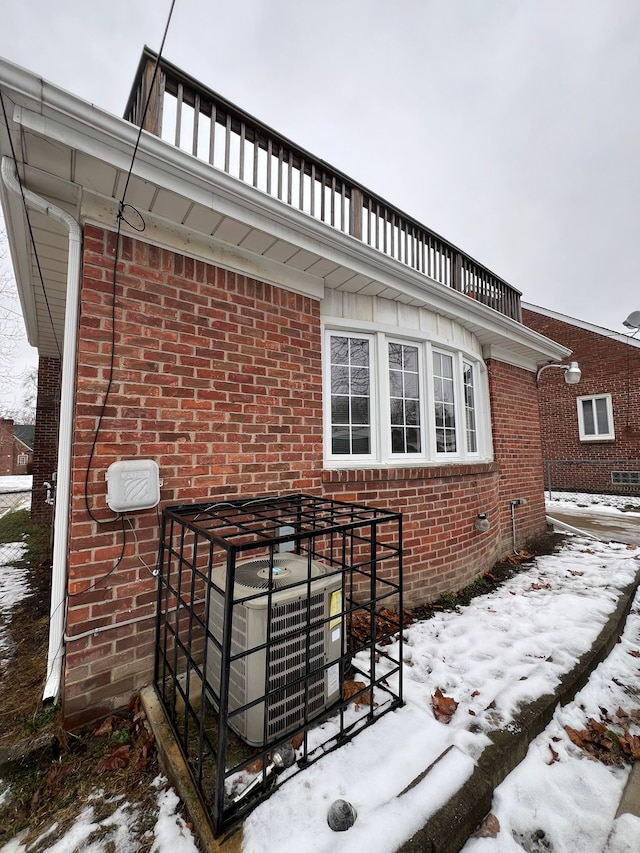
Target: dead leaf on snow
576,574
444,707
554,756
351,688
489,828
634,653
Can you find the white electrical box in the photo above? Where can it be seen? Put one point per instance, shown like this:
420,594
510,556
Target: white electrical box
133,484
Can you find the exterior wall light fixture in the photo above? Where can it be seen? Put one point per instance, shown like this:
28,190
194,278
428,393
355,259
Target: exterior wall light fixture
572,372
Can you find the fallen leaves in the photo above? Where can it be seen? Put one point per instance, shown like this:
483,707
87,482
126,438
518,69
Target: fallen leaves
604,744
554,756
116,759
444,707
387,623
489,828
358,690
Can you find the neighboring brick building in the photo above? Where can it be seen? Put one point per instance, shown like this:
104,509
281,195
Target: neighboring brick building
265,343
16,448
590,431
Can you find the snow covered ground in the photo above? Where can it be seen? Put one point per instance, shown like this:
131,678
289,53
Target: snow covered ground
506,648
118,831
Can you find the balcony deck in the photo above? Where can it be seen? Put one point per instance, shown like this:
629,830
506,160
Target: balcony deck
196,119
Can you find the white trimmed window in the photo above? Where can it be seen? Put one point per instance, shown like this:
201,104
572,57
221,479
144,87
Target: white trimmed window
23,459
389,400
595,418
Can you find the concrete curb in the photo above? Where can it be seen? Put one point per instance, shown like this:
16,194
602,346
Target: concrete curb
448,829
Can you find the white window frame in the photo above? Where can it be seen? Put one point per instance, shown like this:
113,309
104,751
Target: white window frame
597,436
380,401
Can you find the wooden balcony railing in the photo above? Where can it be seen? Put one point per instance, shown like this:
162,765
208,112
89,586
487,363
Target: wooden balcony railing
197,120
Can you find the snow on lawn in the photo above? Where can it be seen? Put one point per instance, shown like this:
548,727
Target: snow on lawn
568,803
14,586
505,649
614,504
19,483
119,831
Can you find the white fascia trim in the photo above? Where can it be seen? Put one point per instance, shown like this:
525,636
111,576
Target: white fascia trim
75,123
177,238
500,353
621,337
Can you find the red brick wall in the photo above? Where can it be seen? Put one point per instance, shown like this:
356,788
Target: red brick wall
517,445
45,440
608,367
218,378
6,447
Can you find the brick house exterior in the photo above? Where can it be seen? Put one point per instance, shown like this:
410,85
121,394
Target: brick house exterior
15,454
206,343
593,457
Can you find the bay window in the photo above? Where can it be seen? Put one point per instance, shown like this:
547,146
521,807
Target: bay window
389,400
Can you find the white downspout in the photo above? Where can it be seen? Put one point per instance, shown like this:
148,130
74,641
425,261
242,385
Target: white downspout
61,520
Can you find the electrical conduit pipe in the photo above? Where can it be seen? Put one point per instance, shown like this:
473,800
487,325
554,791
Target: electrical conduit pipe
55,654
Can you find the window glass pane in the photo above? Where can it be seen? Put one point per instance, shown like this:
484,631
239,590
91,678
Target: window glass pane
470,409
395,356
340,440
359,380
339,350
444,403
397,412
397,440
411,385
413,440
339,380
359,410
602,416
395,383
340,410
359,351
404,403
411,358
587,417
350,393
360,440
412,412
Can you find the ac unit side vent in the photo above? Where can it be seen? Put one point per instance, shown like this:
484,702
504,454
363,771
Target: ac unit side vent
302,647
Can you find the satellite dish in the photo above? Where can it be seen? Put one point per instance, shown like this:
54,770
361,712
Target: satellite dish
632,321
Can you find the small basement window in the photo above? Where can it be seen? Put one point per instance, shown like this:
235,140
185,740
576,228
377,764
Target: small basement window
625,478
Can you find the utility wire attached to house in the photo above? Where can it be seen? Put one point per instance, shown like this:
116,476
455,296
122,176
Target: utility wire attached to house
122,207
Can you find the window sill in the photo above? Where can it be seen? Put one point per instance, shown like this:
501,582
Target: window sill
408,472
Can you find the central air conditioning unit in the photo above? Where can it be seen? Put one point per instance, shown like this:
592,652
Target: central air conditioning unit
305,644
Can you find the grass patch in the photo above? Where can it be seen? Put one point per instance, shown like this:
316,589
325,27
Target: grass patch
13,526
16,526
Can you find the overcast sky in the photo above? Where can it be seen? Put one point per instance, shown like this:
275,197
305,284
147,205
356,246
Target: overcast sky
511,127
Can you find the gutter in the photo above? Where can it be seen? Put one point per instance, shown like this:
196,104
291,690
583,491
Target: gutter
57,617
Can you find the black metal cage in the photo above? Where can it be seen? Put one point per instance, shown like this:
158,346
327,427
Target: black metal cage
279,636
